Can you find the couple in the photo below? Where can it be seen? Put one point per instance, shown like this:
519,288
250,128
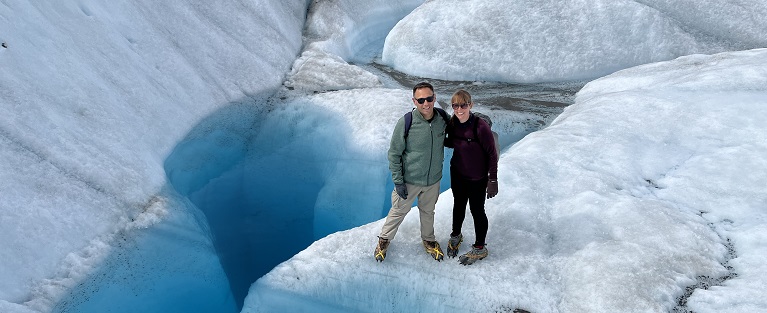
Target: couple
415,160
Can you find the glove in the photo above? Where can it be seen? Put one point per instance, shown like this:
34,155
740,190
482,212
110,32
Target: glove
492,188
401,190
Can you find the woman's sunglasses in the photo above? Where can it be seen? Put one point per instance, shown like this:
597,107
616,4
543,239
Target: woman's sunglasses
460,105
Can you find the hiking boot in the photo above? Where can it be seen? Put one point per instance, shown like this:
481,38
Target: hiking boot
433,249
477,253
380,252
453,245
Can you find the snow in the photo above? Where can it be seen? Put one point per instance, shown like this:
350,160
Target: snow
628,197
142,141
338,32
534,41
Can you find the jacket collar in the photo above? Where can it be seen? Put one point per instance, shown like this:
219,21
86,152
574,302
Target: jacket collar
420,116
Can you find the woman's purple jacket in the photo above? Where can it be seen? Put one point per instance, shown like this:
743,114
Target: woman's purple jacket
472,159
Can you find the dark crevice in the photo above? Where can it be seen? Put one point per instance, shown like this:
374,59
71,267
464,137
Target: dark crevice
705,282
506,309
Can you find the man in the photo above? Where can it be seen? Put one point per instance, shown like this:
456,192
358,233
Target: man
415,161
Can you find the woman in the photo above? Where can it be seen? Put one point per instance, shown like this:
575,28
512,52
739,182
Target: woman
473,174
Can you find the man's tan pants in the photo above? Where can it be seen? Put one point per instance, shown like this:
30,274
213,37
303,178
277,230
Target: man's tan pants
427,199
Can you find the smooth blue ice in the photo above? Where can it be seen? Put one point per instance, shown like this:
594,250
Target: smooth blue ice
252,174
256,176
171,267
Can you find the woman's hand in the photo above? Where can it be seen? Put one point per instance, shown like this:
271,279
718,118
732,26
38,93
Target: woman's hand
492,188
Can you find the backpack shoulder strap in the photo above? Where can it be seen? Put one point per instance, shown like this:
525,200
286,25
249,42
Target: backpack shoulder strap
408,122
443,114
476,126
409,119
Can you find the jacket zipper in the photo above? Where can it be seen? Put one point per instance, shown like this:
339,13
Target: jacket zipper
431,153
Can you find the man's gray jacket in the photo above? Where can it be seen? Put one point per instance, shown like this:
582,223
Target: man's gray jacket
417,160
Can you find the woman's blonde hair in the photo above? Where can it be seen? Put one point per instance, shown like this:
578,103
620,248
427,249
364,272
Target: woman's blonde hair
461,96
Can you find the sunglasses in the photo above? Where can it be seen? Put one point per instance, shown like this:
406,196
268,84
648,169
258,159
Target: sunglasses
460,105
427,99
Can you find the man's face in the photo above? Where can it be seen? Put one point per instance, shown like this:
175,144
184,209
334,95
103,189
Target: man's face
424,94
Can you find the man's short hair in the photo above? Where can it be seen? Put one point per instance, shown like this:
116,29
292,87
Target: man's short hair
423,85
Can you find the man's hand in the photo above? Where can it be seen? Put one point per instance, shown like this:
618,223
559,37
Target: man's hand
401,190
492,188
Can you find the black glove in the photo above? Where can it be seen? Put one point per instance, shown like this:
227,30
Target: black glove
401,190
492,188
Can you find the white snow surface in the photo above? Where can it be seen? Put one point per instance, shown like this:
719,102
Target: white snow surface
632,194
626,199
541,40
336,33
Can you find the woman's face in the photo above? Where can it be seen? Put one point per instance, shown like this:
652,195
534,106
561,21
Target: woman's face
462,110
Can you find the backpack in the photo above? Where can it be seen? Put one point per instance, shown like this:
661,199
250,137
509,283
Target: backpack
409,119
489,122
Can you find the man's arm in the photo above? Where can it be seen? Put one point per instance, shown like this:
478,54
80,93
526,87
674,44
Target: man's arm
397,147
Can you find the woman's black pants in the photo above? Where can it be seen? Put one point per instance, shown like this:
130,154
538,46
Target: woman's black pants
472,192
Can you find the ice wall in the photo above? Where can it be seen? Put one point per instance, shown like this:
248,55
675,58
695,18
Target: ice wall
340,32
94,95
539,41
